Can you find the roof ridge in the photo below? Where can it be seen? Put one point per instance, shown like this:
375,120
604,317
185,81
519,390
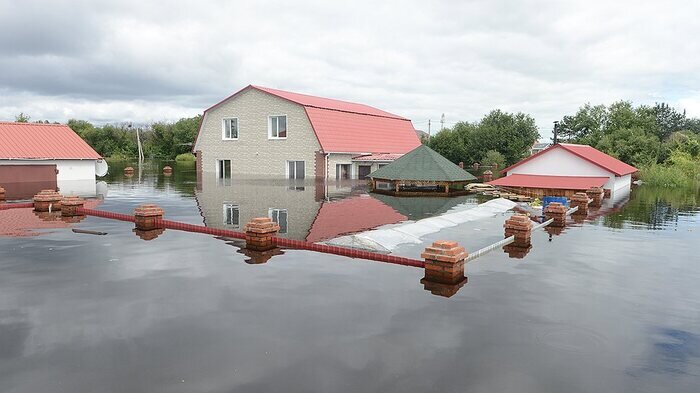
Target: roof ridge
33,124
356,113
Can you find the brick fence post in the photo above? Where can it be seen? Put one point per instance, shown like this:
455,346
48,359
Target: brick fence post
70,205
520,226
47,199
557,211
488,176
146,216
2,195
595,193
444,268
260,233
580,199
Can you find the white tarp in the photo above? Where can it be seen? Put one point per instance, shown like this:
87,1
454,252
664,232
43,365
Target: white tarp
388,238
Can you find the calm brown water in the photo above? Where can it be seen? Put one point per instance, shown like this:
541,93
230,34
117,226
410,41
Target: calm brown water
609,305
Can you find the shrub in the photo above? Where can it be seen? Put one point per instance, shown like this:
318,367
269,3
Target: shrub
664,176
189,157
492,157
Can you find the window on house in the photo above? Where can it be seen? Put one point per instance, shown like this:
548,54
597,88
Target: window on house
280,217
342,171
230,128
277,127
232,215
224,169
295,169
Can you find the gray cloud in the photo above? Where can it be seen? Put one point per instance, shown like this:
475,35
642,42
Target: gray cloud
140,60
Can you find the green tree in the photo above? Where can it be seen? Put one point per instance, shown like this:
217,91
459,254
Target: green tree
588,123
22,118
448,143
492,157
631,145
511,135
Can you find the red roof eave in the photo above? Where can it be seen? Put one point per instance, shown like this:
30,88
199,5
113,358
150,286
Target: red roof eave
550,182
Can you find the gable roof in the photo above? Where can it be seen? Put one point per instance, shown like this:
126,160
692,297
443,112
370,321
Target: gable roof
42,141
425,164
347,127
589,154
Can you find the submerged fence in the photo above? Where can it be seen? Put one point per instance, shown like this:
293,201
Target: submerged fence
443,261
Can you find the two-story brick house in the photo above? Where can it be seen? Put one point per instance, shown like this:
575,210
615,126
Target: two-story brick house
269,132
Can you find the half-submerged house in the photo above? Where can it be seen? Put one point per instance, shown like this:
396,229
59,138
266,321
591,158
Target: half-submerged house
263,131
36,156
564,169
422,171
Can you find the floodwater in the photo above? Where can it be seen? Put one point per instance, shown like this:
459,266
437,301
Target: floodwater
609,305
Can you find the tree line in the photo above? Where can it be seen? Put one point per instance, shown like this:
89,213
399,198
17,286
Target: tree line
164,140
662,142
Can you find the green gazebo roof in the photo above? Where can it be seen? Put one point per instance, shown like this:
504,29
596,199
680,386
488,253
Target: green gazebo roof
422,164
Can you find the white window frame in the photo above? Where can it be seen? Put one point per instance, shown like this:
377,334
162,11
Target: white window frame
226,208
220,175
272,212
223,129
269,127
351,172
287,173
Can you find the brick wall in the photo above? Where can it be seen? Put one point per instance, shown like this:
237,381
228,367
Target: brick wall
253,152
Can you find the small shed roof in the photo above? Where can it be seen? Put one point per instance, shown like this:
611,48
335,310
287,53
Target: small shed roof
423,164
587,153
43,141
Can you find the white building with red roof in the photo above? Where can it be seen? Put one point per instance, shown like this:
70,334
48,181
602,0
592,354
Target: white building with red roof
564,169
35,156
263,131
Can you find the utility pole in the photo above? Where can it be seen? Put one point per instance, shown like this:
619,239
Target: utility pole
442,122
428,130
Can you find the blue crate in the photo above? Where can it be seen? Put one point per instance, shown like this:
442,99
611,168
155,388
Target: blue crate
549,199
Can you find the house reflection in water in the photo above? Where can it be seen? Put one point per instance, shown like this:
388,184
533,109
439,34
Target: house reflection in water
307,209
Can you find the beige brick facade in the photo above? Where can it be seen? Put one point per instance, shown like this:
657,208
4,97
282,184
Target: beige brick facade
253,152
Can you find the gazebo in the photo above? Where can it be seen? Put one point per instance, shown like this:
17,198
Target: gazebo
421,172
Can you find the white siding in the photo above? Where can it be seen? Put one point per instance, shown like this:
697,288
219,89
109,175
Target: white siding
559,162
67,169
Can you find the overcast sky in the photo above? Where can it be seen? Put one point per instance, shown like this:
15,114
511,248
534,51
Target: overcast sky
114,61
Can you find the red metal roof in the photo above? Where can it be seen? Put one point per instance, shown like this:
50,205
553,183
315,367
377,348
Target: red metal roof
356,133
588,153
42,141
378,157
554,182
347,127
351,215
328,103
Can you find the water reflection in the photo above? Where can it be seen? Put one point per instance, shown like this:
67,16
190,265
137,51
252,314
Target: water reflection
306,209
654,208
